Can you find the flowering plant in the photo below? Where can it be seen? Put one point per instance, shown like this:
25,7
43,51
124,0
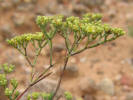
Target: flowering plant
89,28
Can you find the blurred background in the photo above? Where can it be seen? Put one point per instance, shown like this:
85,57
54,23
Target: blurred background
102,73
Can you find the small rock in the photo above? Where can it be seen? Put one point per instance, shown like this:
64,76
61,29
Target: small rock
30,1
15,2
46,85
51,6
87,86
27,1
18,20
71,71
59,48
127,80
106,85
112,13
25,7
6,31
5,5
129,96
80,9
93,61
82,60
73,60
92,3
118,78
130,61
89,97
126,88
40,11
13,57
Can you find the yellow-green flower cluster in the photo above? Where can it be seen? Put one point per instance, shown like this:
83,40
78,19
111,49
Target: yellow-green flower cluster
8,92
68,96
36,95
92,17
57,21
24,39
43,20
73,23
89,24
14,83
8,68
3,80
47,96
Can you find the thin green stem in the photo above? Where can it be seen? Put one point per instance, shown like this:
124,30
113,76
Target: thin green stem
92,46
51,53
32,84
45,71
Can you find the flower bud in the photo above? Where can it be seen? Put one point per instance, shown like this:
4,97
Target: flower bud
29,97
3,80
8,92
106,27
47,96
16,94
14,83
35,95
68,96
8,68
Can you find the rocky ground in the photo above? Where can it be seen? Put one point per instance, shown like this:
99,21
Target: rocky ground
102,73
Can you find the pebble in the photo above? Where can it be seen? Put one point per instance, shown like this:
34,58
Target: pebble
60,9
126,80
40,11
25,7
106,85
92,2
126,88
129,96
6,31
129,61
18,20
118,77
5,5
71,71
87,86
15,2
80,9
14,57
83,59
73,60
89,97
59,47
46,85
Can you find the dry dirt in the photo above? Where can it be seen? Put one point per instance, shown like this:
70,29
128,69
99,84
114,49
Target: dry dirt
113,60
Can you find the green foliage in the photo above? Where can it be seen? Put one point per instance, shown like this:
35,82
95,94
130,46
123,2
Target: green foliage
23,40
11,93
8,68
47,96
36,95
89,28
14,83
3,80
68,96
8,92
